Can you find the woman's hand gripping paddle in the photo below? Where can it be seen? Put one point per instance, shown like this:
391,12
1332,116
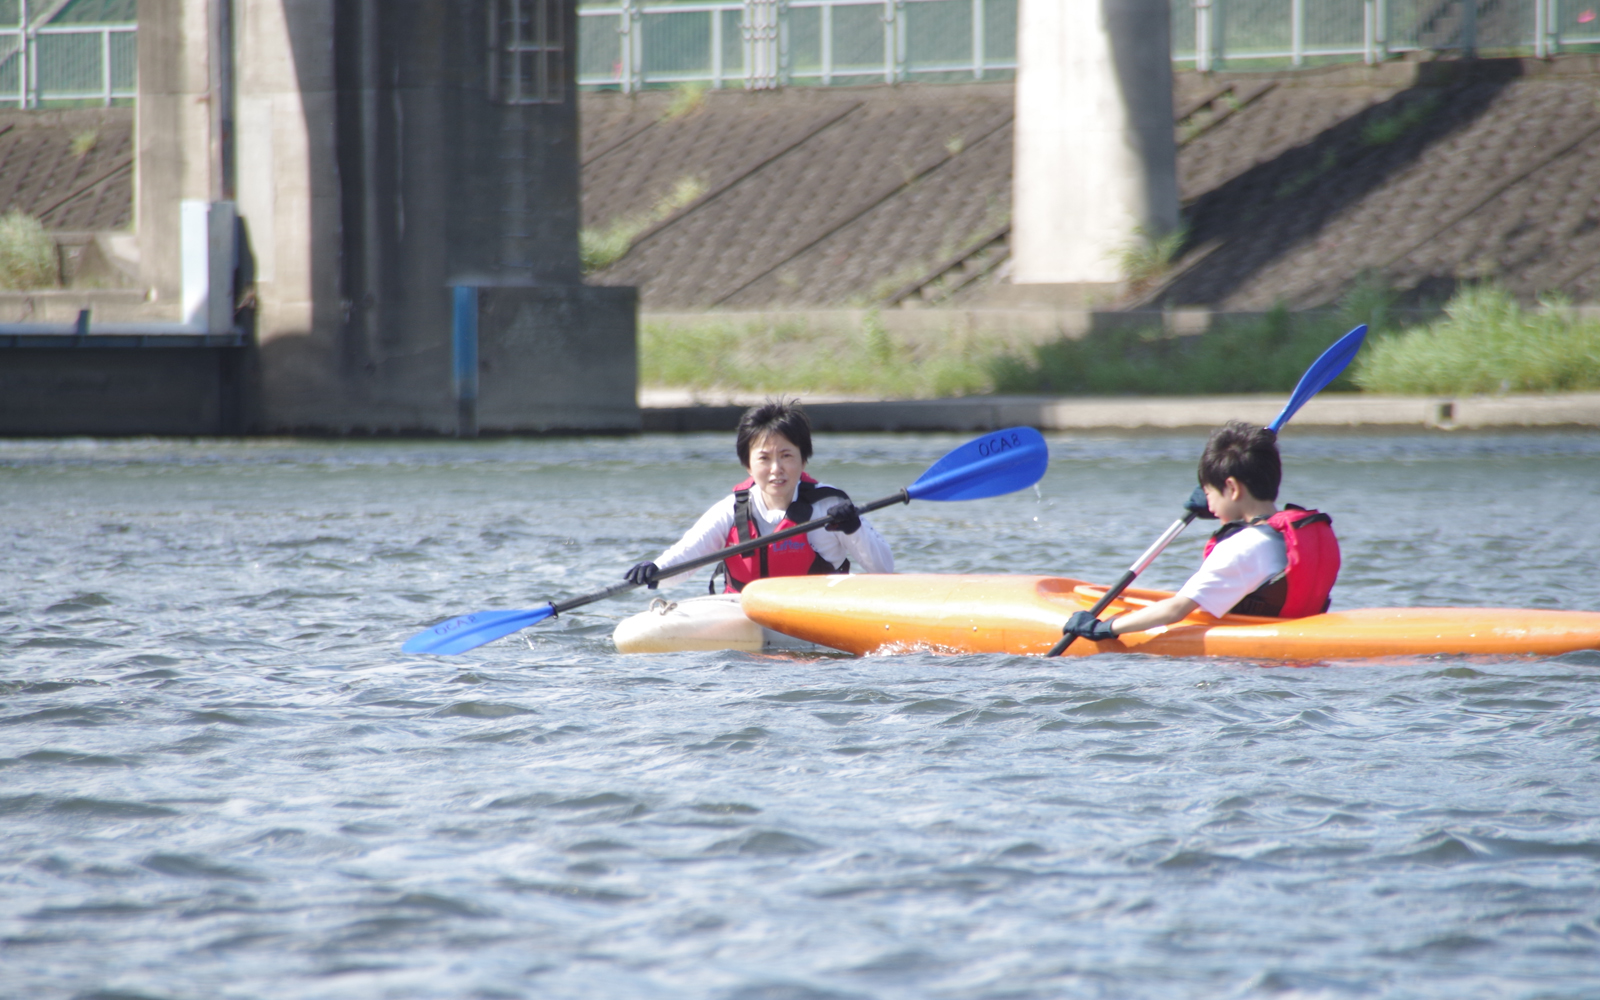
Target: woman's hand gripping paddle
1324,370
989,466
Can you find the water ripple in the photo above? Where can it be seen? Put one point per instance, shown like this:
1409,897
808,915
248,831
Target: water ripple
219,777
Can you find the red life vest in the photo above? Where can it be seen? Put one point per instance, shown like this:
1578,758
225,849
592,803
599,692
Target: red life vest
790,557
1313,551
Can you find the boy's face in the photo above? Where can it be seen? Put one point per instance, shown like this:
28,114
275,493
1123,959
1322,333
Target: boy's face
1226,502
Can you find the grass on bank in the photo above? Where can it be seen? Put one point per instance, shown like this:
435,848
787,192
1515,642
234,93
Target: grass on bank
1263,355
599,248
27,253
1485,343
789,357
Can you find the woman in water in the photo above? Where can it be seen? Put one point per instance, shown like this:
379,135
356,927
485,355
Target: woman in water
774,444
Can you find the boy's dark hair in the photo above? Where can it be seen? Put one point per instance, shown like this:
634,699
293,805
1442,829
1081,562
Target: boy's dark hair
782,416
1245,452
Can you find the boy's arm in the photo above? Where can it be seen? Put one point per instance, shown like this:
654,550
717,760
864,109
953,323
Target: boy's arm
1164,612
1233,569
1084,625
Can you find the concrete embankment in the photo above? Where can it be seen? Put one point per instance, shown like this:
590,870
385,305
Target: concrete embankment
663,413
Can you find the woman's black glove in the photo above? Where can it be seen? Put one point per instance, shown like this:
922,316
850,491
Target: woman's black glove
1198,505
846,518
1084,625
643,574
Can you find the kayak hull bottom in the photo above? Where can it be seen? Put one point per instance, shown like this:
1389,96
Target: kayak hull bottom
699,624
867,614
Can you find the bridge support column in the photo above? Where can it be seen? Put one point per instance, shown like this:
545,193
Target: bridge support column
1095,166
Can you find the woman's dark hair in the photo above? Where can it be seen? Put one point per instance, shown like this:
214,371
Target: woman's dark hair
1244,452
780,416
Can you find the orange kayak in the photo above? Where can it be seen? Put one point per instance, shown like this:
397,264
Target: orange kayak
890,613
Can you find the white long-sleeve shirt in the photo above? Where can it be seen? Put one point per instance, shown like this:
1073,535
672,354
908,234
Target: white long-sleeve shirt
866,549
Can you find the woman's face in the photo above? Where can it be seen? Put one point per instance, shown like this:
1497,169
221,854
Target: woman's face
775,465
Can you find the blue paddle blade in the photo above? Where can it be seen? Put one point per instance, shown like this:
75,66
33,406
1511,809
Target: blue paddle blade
995,464
1325,369
471,631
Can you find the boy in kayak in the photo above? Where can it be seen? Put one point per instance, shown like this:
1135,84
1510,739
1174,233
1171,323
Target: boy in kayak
774,444
1262,561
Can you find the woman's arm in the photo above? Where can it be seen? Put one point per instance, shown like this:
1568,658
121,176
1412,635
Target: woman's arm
709,534
865,548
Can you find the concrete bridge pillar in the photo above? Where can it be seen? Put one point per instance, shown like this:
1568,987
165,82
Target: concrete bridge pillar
177,134
382,155
1095,165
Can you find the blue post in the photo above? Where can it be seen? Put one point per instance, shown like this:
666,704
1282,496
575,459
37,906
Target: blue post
464,354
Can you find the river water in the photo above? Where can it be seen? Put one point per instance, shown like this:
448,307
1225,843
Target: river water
220,777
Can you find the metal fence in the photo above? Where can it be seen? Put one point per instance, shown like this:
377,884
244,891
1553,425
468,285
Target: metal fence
1211,33
764,43
68,62
630,44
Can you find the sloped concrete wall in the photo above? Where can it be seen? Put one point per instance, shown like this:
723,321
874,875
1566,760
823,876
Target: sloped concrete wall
1295,185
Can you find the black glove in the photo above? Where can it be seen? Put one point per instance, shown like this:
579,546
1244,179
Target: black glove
846,518
643,574
1084,625
1198,506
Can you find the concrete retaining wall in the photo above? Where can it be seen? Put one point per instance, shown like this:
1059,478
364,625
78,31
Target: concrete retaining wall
1335,411
173,390
534,343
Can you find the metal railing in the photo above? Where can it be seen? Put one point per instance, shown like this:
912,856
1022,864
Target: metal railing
68,62
631,44
1294,31
766,43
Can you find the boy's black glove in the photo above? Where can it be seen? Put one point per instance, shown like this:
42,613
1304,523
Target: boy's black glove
643,574
846,518
1197,505
1084,625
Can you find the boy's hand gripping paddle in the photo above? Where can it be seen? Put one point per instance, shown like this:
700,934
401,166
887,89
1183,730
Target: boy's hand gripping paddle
989,466
1325,369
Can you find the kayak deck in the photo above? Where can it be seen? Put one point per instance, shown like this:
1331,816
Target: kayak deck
870,613
698,624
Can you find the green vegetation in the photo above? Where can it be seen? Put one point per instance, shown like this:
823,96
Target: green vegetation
1382,131
728,355
600,248
1486,343
1263,355
84,142
27,253
686,99
1146,258
1305,178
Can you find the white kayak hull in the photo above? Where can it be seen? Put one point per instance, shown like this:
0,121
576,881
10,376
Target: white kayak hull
699,624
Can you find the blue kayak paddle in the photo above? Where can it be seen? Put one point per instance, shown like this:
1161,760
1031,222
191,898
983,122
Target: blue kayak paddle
989,466
1328,366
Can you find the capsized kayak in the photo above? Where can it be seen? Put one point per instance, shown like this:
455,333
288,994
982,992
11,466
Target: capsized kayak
872,613
708,622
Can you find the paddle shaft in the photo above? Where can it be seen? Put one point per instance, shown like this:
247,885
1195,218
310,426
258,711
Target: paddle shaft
733,550
1139,566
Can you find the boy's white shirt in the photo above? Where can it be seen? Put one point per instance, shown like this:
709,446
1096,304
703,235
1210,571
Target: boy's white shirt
866,549
1236,566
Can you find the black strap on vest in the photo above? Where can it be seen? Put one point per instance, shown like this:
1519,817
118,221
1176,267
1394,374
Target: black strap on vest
799,512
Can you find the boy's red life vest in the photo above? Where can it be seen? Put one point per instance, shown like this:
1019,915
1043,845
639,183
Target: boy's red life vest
790,557
1313,550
